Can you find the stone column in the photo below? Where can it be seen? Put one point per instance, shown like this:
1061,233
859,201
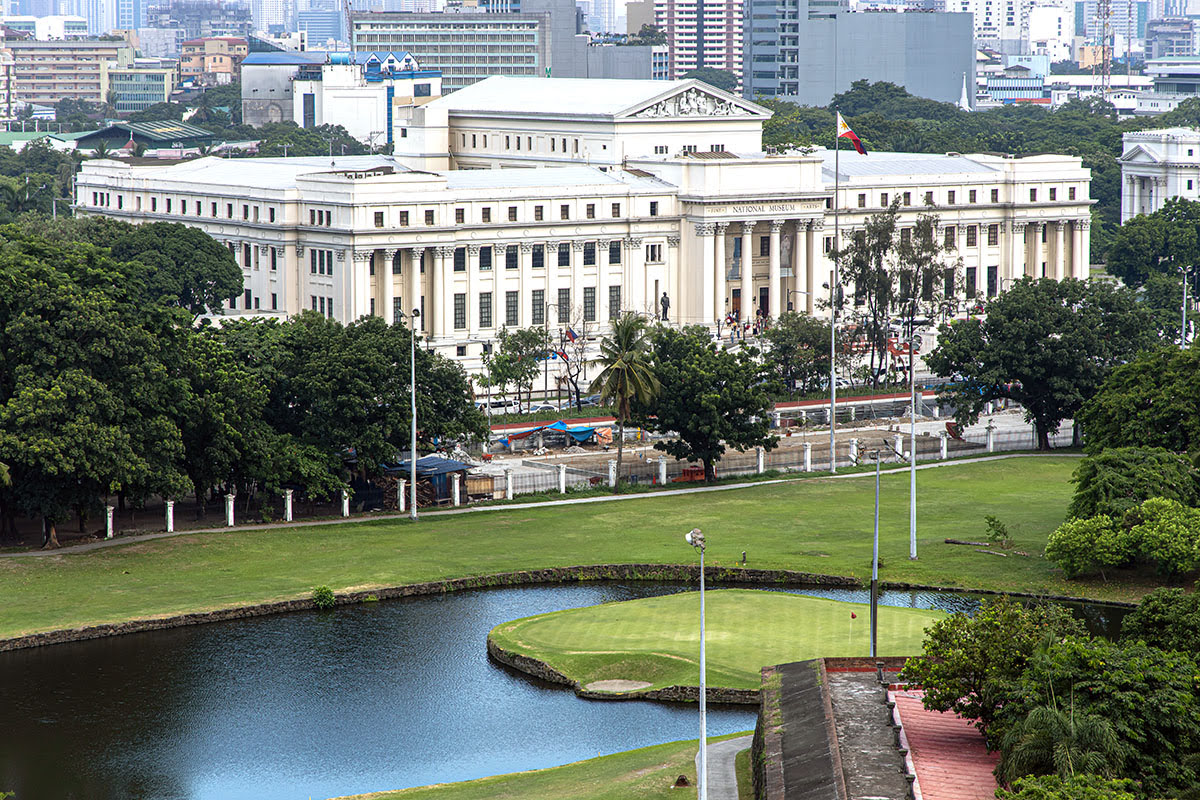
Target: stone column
108,521
760,461
229,498
671,281
287,505
361,285
717,248
1081,258
416,258
387,294
170,516
662,470
942,449
438,282
775,283
799,266
808,456
638,288
508,484
747,305
562,478
456,489
345,503
473,278
612,473
1033,249
853,451
1060,250
401,495
1128,198
814,232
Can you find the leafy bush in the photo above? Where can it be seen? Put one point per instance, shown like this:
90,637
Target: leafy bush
324,598
1120,478
1077,787
1082,546
1166,618
1168,534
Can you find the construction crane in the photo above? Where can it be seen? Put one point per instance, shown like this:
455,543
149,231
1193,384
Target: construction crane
346,9
1104,9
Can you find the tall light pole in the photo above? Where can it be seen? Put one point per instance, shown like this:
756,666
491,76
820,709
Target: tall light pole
1183,306
875,562
412,391
696,539
912,445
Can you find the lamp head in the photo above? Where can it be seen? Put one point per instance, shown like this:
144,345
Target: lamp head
695,538
416,313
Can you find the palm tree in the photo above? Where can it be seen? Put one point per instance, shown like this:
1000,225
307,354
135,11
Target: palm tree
102,150
626,373
1050,741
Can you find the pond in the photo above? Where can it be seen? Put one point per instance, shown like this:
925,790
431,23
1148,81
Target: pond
379,696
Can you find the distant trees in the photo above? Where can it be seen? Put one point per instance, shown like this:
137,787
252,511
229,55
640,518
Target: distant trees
720,78
798,349
627,379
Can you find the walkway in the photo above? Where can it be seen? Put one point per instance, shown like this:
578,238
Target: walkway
146,537
722,772
947,752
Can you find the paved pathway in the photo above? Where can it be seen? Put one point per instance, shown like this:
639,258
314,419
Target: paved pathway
722,776
146,537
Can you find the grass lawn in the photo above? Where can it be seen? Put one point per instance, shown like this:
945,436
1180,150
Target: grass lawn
657,639
817,525
644,774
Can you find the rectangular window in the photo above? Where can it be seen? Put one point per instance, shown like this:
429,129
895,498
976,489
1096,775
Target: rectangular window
1071,191
654,254
485,259
564,254
245,210
429,216
616,210
862,199
995,195
539,256
993,235
764,246
460,310
972,235
1053,195
971,196
906,236
512,213
460,259
485,309
249,299
883,199
314,301
589,254
153,204
168,203
246,251
460,216
510,257
948,283
538,214
929,198
1033,195
274,301
908,198
654,208
512,309
312,261
589,304
564,306
614,302
378,219
538,307
274,259
397,308
372,306
403,219
614,251
951,238
564,211
214,210
992,281
591,210
229,210
270,213
487,214
950,197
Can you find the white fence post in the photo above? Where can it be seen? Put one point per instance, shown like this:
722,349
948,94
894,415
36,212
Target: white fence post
612,473
170,516
808,456
760,460
853,413
991,437
898,445
455,488
287,505
508,484
945,437
562,478
401,495
229,498
662,470
108,521
345,503
775,419
853,451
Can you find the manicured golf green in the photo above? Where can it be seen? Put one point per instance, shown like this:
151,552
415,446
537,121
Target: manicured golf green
816,525
656,640
645,774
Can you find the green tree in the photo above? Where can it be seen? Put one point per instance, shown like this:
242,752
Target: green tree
797,351
1157,243
971,664
1045,344
1118,478
626,377
1166,534
1167,618
710,398
159,112
188,267
720,78
648,35
1055,741
520,358
1086,545
322,140
1079,787
1151,402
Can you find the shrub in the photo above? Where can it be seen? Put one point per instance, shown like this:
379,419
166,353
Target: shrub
1168,619
324,598
997,531
1077,787
1168,534
1082,546
1120,478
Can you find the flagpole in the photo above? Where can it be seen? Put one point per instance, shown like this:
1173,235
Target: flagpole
837,185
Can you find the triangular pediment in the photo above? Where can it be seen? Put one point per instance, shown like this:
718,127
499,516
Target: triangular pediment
1139,155
694,99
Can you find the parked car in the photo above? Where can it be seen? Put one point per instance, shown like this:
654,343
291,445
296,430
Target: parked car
542,408
498,406
591,400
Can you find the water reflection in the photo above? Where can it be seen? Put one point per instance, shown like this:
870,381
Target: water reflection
383,695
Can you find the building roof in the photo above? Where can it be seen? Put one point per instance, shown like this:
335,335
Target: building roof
852,165
282,58
265,173
541,176
584,97
164,130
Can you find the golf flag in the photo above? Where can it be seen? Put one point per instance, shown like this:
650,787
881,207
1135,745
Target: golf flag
844,132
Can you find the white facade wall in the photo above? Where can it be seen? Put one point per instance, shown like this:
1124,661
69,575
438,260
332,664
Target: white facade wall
1051,31
1156,166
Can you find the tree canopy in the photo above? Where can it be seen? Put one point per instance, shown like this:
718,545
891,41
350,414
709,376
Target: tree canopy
720,78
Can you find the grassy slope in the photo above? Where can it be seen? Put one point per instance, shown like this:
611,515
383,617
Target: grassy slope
657,639
643,774
815,525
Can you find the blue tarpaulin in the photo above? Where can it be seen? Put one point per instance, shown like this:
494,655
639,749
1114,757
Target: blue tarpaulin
579,433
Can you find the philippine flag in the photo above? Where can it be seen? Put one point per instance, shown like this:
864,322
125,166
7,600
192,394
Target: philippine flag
844,132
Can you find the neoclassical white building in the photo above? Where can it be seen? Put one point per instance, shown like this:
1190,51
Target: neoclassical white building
718,232
1157,165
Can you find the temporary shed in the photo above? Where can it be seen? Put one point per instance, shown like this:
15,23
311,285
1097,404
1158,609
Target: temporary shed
578,433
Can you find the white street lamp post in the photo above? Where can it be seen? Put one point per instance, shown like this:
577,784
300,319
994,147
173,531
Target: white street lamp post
875,561
912,447
696,539
412,376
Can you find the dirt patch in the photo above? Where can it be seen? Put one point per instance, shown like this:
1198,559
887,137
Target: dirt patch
616,686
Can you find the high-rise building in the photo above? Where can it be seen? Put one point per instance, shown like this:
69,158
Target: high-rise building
1002,25
202,19
46,72
702,33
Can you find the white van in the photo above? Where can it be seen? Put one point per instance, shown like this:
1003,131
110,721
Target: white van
498,406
